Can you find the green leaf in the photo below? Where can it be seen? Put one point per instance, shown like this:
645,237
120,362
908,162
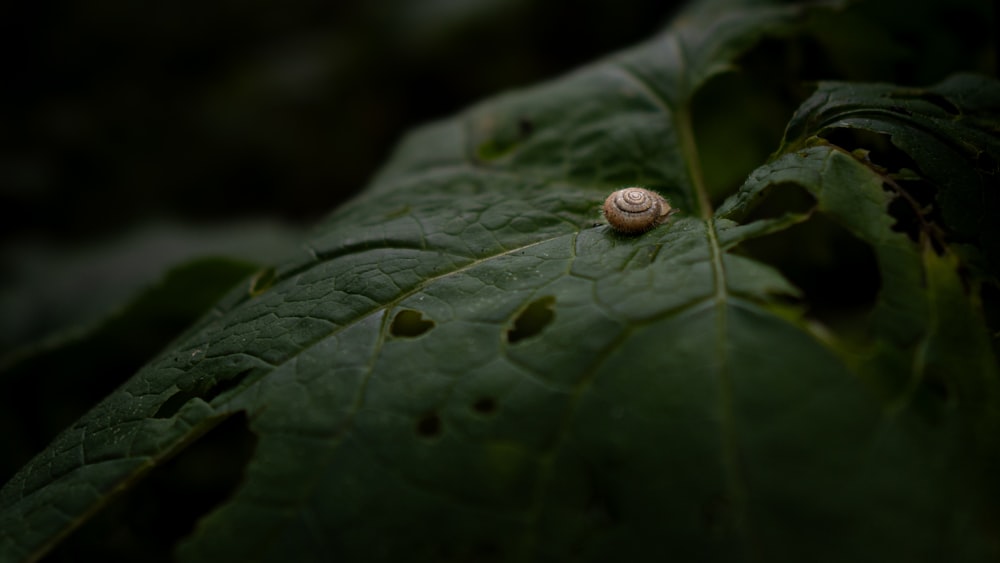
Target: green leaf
948,134
465,363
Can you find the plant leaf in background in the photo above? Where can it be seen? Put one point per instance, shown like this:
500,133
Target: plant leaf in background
465,364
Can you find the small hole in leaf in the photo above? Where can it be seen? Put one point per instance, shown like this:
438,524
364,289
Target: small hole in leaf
479,552
532,319
223,385
601,507
486,551
207,391
525,127
907,218
429,425
990,298
262,281
485,405
410,323
912,207
170,407
716,515
937,387
503,137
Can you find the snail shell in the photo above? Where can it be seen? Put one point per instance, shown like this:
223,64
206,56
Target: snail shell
636,210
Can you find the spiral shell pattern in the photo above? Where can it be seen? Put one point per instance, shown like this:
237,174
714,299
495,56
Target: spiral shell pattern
635,210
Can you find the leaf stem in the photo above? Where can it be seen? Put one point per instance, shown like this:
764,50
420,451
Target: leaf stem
729,442
689,150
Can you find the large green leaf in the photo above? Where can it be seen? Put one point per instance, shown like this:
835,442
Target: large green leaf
465,363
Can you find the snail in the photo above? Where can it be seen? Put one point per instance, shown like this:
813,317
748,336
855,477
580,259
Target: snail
636,210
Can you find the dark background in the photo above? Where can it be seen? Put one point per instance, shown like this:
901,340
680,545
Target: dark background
116,111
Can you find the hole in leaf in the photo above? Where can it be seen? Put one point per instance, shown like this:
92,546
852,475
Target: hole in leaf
486,551
876,149
146,522
990,298
532,319
480,552
485,405
932,398
503,138
429,425
410,323
262,281
781,200
602,503
716,515
170,407
224,385
937,386
601,508
907,219
913,208
206,391
525,127
837,272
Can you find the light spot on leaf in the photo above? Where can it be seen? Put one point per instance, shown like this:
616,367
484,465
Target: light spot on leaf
398,212
262,281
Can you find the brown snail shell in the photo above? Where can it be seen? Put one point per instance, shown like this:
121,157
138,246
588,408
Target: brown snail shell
636,210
